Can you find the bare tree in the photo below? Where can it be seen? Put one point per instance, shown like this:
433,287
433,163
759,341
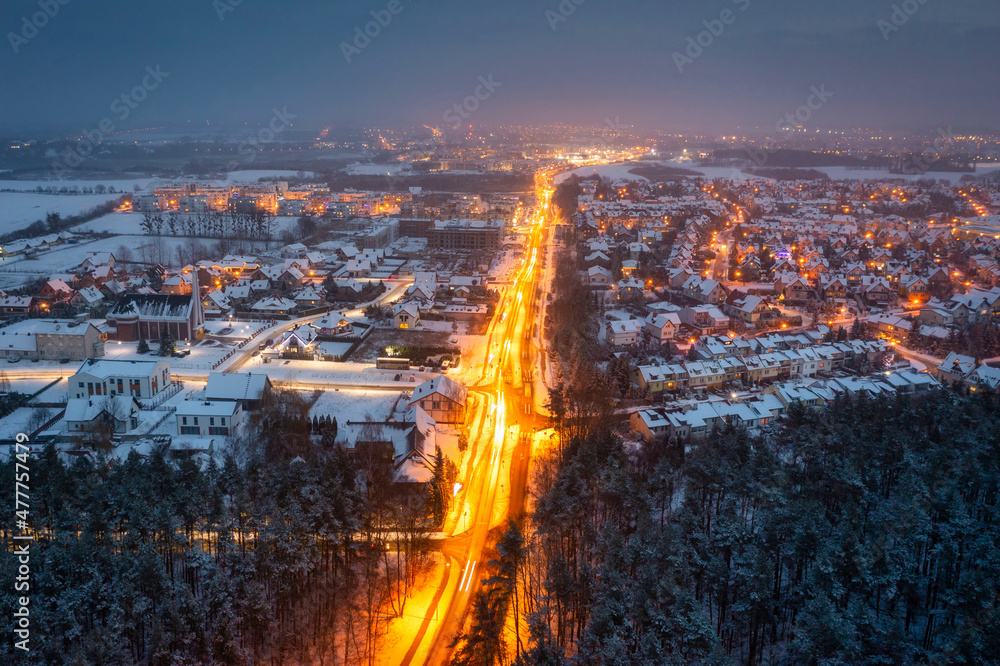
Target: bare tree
39,417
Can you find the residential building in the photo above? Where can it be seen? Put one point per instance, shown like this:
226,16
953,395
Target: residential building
442,398
51,339
209,418
141,379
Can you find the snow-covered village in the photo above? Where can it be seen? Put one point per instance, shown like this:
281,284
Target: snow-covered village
488,334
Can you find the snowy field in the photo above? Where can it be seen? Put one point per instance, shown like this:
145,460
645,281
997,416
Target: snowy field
204,355
19,210
58,392
357,405
253,175
126,185
621,172
115,223
16,271
145,184
347,375
377,169
128,223
17,422
835,173
609,171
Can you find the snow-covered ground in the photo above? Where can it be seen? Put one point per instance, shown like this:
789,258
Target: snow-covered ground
253,175
58,392
16,271
295,373
621,172
16,422
205,355
126,185
609,171
349,405
128,223
115,223
377,169
835,173
19,210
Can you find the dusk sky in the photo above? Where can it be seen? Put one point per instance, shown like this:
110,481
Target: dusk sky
606,59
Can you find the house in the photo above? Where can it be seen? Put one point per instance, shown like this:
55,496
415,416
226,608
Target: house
704,290
955,368
55,291
629,289
140,379
749,308
442,398
309,296
663,327
598,277
660,378
358,268
405,315
97,259
87,296
16,305
216,304
459,310
597,259
984,376
118,413
209,418
623,333
274,305
246,388
708,319
796,290
833,288
51,339
146,316
878,291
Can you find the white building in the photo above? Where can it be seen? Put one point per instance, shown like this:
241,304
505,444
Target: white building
209,418
140,379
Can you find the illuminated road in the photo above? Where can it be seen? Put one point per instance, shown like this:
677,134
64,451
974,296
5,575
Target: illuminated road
502,440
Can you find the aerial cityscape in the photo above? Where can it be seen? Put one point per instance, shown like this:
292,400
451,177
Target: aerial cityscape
524,334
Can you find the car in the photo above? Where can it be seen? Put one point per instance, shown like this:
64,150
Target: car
13,359
256,352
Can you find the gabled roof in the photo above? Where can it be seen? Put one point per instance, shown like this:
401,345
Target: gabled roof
236,386
445,386
153,306
85,410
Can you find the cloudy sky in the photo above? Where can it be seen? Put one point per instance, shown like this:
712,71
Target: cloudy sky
569,62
